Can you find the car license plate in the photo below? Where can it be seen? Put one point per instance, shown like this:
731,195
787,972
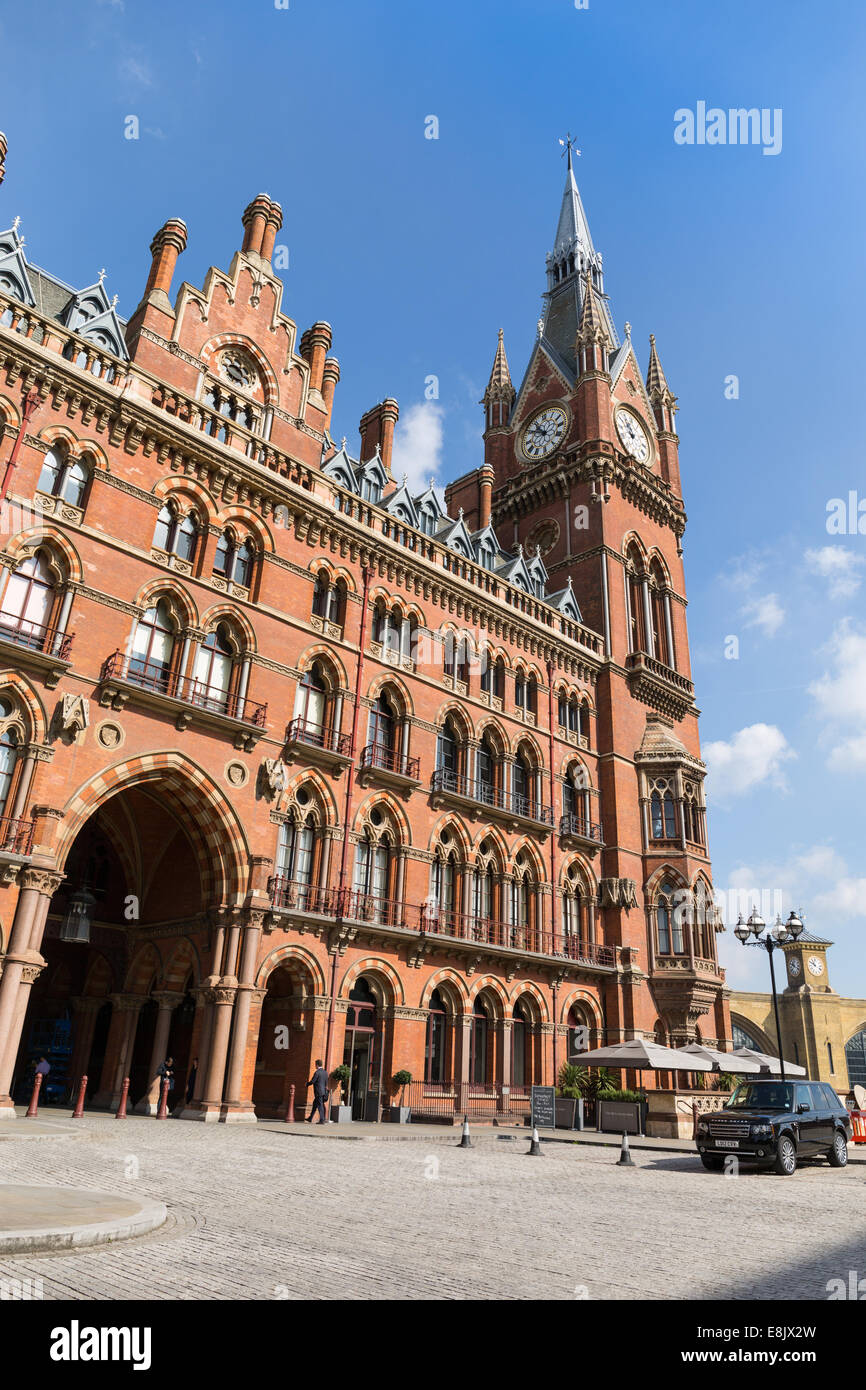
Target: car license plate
727,1143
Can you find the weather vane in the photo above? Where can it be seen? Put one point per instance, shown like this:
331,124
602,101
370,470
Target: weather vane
569,146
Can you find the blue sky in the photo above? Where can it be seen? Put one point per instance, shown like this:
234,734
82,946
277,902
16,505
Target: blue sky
418,250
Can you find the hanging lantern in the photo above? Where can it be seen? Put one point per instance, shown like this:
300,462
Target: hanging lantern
77,918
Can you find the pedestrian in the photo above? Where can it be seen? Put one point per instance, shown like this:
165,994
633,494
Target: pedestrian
319,1083
190,1081
165,1072
42,1067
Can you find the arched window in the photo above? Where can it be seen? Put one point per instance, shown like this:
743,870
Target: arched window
525,801
314,706
234,561
635,579
448,755
575,911
214,670
375,865
329,599
669,923
427,520
437,1036
576,802
693,814
175,534
855,1057
445,882
383,725
8,762
522,901
486,771
484,894
657,594
520,1043
153,648
29,601
578,1034
63,477
479,1048
663,811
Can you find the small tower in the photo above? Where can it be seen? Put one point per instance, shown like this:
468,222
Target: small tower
664,404
499,396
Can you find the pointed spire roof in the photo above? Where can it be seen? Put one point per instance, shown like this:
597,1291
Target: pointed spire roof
572,255
572,226
499,387
592,327
656,382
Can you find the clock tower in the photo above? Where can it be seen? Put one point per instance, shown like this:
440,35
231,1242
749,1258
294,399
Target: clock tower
582,470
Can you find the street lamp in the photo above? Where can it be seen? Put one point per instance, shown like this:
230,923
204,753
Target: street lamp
778,935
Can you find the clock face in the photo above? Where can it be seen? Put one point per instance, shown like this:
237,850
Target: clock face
545,432
794,966
632,436
815,965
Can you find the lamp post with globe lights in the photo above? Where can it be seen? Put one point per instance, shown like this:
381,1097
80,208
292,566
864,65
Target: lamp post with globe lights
769,940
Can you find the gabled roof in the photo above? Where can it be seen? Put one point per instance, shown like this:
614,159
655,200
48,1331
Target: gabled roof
342,469
516,571
400,503
373,467
457,537
565,601
617,367
13,267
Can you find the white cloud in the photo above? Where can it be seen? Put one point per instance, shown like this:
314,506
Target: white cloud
840,693
849,755
766,613
134,71
752,757
418,444
839,566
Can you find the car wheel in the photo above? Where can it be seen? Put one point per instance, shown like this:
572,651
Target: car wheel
712,1162
838,1153
786,1157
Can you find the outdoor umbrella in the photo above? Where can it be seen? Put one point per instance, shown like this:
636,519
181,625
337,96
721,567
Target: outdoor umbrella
638,1055
732,1062
768,1064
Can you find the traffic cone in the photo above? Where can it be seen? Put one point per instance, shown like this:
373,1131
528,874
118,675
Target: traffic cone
465,1141
625,1158
534,1145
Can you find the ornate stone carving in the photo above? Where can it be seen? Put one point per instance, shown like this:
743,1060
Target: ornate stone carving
73,716
274,776
109,734
618,892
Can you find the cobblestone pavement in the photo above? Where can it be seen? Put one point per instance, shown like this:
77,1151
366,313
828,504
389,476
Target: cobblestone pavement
255,1213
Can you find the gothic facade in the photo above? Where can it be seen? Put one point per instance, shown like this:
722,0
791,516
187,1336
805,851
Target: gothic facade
297,762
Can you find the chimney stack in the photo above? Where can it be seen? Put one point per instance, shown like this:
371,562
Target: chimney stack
254,218
314,349
165,248
377,427
390,415
3,149
329,382
273,223
486,476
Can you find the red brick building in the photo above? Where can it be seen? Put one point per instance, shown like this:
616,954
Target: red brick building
297,763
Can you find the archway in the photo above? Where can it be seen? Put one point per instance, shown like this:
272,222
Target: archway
284,1053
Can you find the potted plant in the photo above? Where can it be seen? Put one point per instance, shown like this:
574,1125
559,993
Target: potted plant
340,1076
568,1105
401,1114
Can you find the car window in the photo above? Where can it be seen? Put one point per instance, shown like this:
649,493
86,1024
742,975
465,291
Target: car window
804,1097
832,1099
819,1097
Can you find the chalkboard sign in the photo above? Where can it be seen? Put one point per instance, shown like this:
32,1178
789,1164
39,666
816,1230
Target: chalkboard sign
542,1104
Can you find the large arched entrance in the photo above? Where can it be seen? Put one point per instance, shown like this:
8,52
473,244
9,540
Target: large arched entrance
287,1038
127,941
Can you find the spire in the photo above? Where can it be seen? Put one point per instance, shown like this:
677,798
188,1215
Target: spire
499,387
572,255
592,327
499,395
656,382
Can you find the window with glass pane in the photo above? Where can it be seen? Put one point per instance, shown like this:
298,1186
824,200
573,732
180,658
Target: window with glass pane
486,771
224,556
383,724
310,702
479,1043
187,536
213,668
29,598
670,817
152,646
446,750
52,470
435,1051
8,759
74,483
663,920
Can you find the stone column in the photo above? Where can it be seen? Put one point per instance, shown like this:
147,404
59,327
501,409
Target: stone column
212,1094
22,966
238,1107
462,1039
505,1030
168,1001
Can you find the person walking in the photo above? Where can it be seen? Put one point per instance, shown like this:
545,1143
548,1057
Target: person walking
319,1083
165,1072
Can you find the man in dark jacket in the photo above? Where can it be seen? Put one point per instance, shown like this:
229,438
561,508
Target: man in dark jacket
319,1083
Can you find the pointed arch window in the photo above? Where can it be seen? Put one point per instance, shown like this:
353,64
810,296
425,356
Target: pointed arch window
234,561
486,771
382,732
693,815
437,1033
669,924
374,861
479,1047
521,1024
9,744
663,812
329,599
448,752
575,908
29,602
175,534
153,648
314,706
213,675
63,477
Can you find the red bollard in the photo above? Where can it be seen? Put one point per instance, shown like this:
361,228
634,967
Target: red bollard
34,1099
290,1113
121,1109
79,1104
162,1111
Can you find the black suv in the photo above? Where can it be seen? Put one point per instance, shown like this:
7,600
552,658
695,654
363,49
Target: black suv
773,1123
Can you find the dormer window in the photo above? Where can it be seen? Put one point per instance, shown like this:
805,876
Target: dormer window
371,490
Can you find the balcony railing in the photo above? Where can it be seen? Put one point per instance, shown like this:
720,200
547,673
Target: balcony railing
513,803
571,824
37,638
318,736
378,755
153,676
351,904
16,836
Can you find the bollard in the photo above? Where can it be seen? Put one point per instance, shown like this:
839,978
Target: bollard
534,1144
465,1141
625,1157
79,1104
121,1109
34,1099
290,1112
162,1108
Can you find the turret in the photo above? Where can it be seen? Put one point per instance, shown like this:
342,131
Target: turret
664,404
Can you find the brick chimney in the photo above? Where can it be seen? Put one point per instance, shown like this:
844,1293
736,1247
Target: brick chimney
486,476
330,378
254,218
273,223
313,348
377,427
155,308
3,149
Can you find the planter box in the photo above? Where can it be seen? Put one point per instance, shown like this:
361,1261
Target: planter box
341,1114
400,1114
